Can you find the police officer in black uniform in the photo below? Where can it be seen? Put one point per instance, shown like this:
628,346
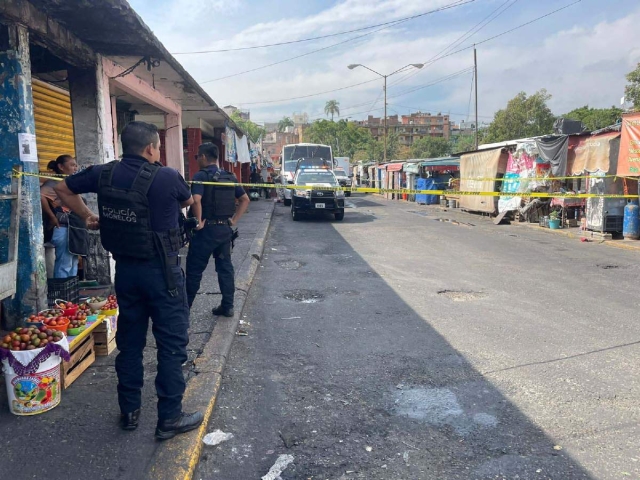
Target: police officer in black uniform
215,209
139,204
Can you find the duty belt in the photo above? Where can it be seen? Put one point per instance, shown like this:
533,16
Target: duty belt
218,221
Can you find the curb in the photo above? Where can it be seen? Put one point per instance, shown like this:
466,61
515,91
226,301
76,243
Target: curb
176,459
608,243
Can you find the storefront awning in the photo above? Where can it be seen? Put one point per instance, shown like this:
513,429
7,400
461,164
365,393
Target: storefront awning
394,167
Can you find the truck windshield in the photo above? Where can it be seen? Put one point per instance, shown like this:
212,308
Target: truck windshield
316,177
293,153
339,172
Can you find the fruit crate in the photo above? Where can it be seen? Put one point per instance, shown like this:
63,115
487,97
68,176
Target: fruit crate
62,289
104,336
82,357
103,344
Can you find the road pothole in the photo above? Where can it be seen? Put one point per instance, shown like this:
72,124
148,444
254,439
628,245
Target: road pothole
607,266
461,296
290,264
304,296
454,222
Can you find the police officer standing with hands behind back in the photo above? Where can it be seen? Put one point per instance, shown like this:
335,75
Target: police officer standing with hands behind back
139,204
215,209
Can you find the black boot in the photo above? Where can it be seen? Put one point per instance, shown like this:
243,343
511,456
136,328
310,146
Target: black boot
224,312
129,421
186,422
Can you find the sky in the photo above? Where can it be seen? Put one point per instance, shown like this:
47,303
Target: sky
580,55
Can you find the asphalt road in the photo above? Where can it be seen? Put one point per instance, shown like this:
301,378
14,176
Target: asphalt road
403,344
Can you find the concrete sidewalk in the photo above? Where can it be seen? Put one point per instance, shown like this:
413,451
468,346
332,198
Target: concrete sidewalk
81,436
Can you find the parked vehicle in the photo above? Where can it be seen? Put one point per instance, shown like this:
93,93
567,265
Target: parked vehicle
343,179
291,154
343,163
320,200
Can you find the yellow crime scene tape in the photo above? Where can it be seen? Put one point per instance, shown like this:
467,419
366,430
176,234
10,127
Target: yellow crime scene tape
381,191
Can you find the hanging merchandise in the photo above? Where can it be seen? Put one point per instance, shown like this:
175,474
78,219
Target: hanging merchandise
231,149
242,149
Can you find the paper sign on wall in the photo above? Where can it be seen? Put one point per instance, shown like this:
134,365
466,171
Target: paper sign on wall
28,149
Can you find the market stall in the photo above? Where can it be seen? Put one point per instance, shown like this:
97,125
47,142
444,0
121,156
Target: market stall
481,172
597,156
53,349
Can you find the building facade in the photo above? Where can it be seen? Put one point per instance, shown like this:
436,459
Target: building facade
72,75
410,128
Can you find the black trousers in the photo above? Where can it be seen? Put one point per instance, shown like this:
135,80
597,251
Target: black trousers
212,240
142,294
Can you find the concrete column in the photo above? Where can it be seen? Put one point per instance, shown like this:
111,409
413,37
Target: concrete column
93,133
16,117
173,141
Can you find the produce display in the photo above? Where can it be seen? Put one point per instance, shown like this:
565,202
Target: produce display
56,321
112,303
30,338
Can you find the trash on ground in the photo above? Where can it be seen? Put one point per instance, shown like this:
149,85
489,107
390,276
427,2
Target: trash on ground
217,437
292,318
242,333
557,447
281,463
368,448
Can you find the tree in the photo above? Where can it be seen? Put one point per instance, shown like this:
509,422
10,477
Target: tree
284,123
595,118
632,90
253,130
464,143
332,107
375,148
430,147
522,118
345,138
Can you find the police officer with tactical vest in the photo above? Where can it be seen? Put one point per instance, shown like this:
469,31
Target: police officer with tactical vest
139,204
215,209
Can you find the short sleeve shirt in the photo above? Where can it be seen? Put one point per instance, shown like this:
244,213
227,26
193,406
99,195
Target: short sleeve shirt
165,195
204,176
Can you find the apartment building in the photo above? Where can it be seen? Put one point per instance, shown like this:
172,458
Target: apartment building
410,128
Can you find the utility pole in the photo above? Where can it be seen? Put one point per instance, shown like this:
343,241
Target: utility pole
385,118
475,73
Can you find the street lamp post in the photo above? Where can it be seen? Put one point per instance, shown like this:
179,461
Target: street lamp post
415,65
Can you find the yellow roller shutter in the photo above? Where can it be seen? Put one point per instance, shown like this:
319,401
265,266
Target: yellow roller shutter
54,124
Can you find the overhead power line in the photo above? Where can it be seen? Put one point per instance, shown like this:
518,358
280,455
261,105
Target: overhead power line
437,59
352,39
253,47
468,34
435,82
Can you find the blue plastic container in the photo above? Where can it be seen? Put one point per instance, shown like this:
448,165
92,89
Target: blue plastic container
631,222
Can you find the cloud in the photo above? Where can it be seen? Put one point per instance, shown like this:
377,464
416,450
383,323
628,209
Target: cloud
576,61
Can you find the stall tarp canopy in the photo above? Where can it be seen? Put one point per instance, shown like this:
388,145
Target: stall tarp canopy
591,154
411,168
486,166
554,150
629,158
394,167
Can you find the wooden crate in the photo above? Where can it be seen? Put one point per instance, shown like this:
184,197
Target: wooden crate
82,357
105,343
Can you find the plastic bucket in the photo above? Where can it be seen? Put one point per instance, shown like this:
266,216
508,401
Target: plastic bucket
34,393
453,204
554,224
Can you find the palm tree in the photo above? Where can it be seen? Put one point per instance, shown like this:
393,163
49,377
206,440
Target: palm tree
332,107
284,123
